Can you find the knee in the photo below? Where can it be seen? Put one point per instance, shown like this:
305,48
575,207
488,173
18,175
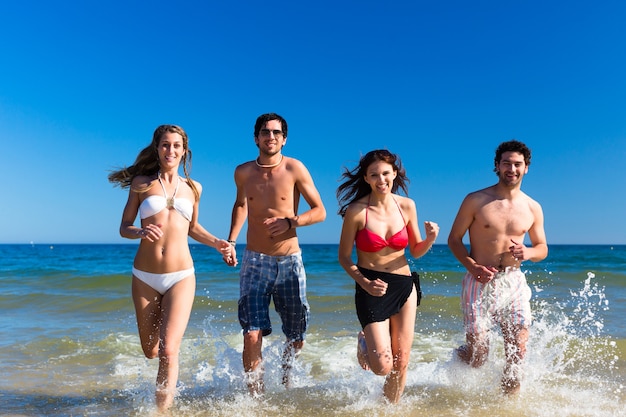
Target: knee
382,365
151,353
296,345
383,369
168,354
472,355
252,338
478,360
401,362
477,350
150,350
479,355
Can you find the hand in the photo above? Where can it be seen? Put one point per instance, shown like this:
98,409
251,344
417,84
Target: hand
483,274
376,287
229,255
151,232
518,251
277,225
432,230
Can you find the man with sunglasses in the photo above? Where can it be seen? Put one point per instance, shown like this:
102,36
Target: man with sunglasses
268,195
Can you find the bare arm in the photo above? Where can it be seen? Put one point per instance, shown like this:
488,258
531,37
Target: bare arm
306,187
418,246
462,223
348,232
200,234
128,230
240,207
537,235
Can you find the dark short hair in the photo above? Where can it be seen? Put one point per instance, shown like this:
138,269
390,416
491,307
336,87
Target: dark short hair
511,146
264,118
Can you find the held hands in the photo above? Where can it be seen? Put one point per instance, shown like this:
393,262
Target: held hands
229,255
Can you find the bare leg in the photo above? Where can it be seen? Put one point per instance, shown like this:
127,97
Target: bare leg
292,350
148,312
361,352
515,339
176,309
402,330
161,321
252,361
475,351
378,347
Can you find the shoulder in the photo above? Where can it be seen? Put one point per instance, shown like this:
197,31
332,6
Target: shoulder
405,203
356,207
294,164
295,169
142,183
532,203
481,196
195,183
245,165
244,170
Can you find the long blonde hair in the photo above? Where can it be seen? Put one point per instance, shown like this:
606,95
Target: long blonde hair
147,162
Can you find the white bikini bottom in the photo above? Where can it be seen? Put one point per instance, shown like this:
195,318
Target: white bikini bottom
162,282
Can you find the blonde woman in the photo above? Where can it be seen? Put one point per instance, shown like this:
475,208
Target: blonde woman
163,282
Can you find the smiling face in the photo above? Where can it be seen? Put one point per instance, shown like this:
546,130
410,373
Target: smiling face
380,176
271,138
511,168
171,149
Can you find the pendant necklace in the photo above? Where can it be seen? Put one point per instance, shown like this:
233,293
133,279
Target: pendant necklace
169,201
269,165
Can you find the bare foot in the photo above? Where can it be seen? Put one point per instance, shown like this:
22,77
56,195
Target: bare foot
462,352
164,399
510,386
361,352
254,380
511,379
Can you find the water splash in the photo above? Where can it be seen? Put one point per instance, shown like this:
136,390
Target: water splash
571,370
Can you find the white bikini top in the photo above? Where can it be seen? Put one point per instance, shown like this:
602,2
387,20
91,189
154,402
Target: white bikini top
153,204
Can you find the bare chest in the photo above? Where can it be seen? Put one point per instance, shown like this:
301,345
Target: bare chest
268,191
504,217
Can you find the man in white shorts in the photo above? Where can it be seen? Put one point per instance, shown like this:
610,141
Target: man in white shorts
494,289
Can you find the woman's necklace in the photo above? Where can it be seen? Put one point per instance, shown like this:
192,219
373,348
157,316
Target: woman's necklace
269,165
169,200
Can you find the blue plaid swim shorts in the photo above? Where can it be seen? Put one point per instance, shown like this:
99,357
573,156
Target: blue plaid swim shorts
281,278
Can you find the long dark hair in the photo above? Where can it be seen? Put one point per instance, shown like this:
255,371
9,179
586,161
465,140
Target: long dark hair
147,162
355,186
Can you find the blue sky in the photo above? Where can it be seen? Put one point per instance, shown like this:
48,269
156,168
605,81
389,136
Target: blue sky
84,85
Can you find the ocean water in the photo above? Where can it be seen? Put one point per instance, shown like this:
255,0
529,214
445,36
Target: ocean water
69,345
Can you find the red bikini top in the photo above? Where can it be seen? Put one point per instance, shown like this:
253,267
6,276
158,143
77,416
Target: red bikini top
368,241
